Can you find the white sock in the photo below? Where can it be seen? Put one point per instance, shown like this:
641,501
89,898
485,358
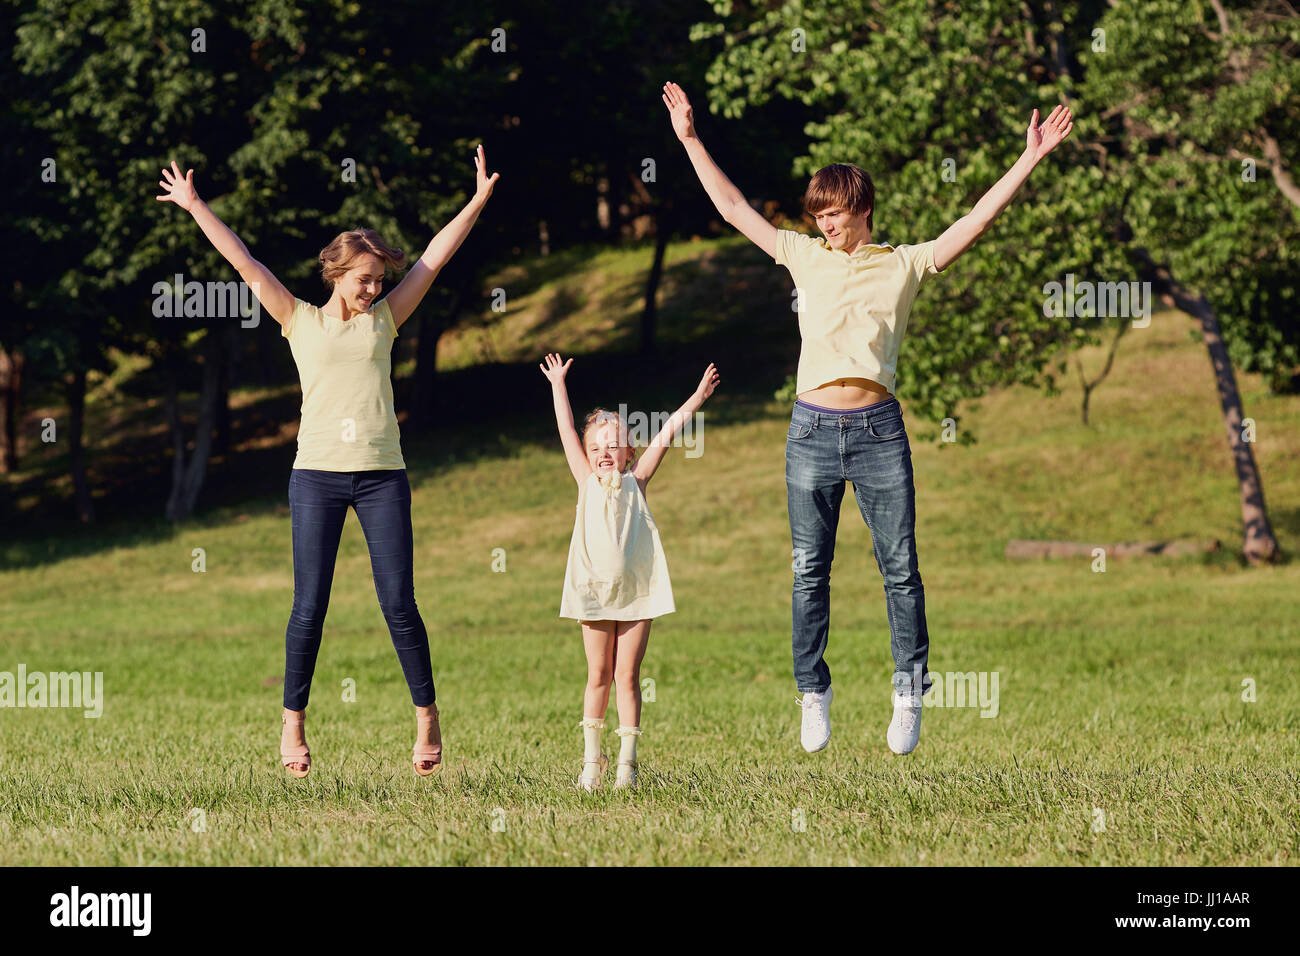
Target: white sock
627,743
591,728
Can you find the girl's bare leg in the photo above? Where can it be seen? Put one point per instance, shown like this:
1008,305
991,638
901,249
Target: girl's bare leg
632,638
598,643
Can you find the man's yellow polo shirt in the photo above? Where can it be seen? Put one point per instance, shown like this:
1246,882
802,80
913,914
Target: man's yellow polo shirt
853,307
349,422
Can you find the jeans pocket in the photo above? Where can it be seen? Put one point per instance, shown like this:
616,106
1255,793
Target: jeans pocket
799,431
886,426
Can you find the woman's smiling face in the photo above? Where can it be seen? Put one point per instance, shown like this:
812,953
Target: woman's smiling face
361,285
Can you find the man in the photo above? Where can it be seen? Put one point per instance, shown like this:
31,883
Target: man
854,297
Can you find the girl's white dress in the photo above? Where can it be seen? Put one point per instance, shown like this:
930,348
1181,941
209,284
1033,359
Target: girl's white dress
616,570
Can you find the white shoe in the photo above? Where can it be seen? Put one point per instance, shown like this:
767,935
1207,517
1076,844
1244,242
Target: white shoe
816,731
905,729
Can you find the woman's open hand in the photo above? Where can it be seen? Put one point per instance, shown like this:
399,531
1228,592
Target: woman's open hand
485,182
180,190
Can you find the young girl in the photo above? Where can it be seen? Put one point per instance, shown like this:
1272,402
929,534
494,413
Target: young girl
617,578
349,451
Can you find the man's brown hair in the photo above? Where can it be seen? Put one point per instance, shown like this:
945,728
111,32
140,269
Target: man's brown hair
342,254
842,185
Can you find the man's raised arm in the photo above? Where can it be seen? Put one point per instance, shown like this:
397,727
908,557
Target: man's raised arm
1040,140
730,201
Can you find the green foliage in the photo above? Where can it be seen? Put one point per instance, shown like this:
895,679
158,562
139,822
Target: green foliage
899,90
1186,131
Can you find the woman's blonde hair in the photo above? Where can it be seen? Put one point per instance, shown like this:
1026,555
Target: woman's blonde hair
600,416
342,254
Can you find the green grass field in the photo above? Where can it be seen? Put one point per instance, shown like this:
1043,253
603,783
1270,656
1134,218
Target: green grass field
1121,736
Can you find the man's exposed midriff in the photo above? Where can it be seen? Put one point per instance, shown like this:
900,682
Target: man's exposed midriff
847,393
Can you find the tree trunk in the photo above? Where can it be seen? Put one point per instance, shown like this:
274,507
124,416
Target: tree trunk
649,315
11,380
1259,545
424,385
188,475
1110,360
424,388
229,342
76,382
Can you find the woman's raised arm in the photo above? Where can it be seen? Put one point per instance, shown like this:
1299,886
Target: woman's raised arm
408,293
273,296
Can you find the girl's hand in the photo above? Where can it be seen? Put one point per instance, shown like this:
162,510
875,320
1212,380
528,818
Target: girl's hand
1041,140
679,110
554,370
180,191
485,182
708,383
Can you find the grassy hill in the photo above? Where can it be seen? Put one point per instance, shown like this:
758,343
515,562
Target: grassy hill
1121,735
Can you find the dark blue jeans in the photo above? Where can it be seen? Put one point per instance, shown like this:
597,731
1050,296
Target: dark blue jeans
318,505
870,449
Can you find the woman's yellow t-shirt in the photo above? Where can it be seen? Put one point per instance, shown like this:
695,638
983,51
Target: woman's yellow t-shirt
349,422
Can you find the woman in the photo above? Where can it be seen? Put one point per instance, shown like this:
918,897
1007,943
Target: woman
349,450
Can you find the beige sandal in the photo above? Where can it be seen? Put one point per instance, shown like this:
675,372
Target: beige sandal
428,759
297,757
589,785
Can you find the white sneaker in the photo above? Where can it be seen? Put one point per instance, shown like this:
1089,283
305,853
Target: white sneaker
905,729
816,731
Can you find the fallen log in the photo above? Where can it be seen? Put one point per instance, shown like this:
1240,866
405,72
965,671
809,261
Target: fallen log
1021,548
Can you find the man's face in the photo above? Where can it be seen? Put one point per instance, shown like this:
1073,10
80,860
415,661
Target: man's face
842,229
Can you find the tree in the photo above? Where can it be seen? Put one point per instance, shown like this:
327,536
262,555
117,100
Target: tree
910,89
1205,149
295,135
933,101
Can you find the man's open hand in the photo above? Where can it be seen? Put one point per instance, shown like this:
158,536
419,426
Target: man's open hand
679,110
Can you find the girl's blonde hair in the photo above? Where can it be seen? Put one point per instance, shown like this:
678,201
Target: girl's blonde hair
342,254
600,416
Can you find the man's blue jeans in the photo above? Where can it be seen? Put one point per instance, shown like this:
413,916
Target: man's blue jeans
870,449
318,505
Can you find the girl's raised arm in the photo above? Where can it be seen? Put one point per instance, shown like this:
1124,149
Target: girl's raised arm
649,463
411,290
275,298
555,372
